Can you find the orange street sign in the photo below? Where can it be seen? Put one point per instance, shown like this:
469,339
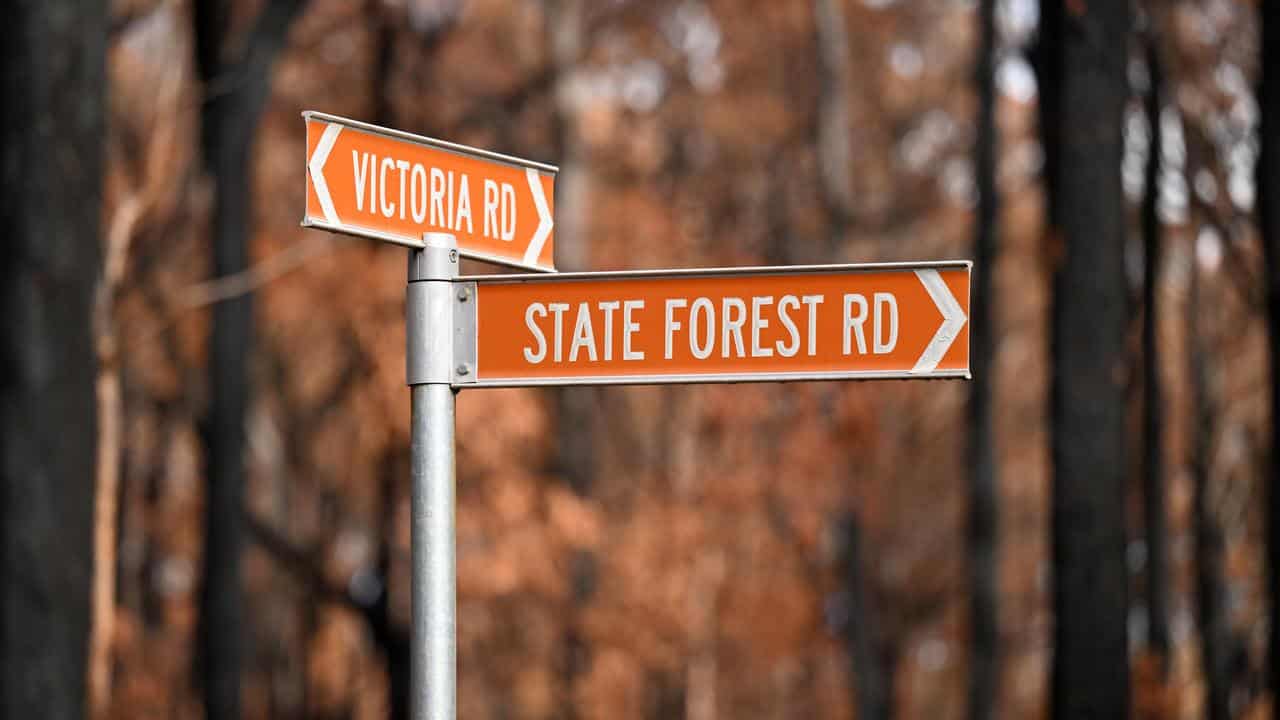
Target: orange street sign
389,185
730,325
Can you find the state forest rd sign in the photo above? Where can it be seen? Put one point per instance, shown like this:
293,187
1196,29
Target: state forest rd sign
390,185
725,325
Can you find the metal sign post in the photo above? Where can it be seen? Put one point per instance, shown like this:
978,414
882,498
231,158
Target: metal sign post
429,371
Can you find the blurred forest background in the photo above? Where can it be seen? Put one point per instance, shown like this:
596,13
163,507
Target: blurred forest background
203,416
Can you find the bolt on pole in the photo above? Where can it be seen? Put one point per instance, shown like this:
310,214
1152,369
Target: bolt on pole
429,367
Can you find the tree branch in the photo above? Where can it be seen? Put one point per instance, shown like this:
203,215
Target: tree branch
301,565
246,281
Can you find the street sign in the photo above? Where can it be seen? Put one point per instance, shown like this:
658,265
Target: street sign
442,200
390,185
726,325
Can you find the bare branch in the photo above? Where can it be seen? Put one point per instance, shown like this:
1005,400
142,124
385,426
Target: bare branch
256,276
300,564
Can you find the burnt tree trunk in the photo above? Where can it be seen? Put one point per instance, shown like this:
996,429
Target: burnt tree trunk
576,410
566,36
1215,637
871,659
388,635
1268,170
1157,580
835,156
1085,67
236,92
984,664
53,125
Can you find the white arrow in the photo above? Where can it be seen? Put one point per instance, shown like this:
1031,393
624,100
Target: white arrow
316,167
953,318
545,222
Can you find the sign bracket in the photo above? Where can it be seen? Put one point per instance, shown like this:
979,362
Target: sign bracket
465,334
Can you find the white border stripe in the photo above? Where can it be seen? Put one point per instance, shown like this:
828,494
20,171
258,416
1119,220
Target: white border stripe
700,379
545,223
316,168
953,318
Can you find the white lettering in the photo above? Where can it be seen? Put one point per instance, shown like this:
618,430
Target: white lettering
490,209
852,322
557,310
437,198
529,355
629,328
789,349
508,212
672,323
812,301
583,335
609,307
448,201
403,167
757,324
702,352
418,192
464,207
361,169
732,326
388,209
882,300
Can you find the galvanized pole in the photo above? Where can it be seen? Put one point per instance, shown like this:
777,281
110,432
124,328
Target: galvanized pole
429,370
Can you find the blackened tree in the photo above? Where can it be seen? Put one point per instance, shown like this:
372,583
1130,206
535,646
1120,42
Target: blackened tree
237,86
51,165
983,508
1268,170
1084,61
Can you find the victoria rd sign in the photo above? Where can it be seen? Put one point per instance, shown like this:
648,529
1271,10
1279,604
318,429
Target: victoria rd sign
389,185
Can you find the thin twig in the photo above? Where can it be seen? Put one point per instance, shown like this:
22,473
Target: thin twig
254,277
234,285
